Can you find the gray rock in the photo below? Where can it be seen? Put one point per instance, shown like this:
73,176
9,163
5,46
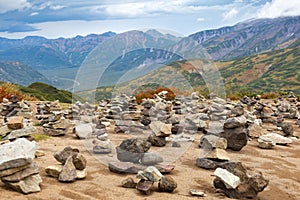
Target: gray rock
16,154
26,131
27,185
235,122
63,155
4,130
125,167
287,129
54,132
255,131
31,170
236,138
198,193
206,163
131,150
68,172
151,158
176,144
212,141
100,150
7,172
167,184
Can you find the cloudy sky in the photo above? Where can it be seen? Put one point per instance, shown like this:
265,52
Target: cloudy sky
62,18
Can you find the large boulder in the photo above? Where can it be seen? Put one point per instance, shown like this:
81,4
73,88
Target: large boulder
236,138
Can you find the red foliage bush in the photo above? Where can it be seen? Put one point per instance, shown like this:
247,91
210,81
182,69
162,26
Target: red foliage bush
151,94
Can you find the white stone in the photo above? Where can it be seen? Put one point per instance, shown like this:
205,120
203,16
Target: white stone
83,131
276,138
18,153
230,180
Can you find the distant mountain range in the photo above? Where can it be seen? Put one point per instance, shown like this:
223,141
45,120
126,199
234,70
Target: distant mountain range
110,58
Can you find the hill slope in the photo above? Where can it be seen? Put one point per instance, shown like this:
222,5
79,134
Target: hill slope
19,73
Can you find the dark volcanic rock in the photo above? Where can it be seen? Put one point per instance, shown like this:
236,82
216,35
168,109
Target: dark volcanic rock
157,141
251,182
236,138
65,154
206,163
132,150
167,184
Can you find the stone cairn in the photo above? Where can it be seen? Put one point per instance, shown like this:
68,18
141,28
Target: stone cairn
72,165
17,169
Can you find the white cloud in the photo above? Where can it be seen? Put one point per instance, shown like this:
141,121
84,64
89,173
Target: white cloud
279,8
231,14
34,13
200,19
8,5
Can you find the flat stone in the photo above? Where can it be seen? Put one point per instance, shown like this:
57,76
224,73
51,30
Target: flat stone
265,143
144,186
230,180
31,170
53,170
215,154
100,150
102,144
212,141
7,172
125,167
4,130
235,122
198,193
26,131
167,184
15,122
276,138
68,172
151,158
206,163
129,183
62,124
165,168
17,153
54,132
27,185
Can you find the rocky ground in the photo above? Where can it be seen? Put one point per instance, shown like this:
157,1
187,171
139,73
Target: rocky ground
279,164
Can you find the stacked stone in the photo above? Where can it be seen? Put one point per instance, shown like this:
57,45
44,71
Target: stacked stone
17,169
16,128
235,129
55,124
72,165
25,110
102,144
117,106
265,113
213,152
179,106
147,112
83,112
10,107
160,131
151,175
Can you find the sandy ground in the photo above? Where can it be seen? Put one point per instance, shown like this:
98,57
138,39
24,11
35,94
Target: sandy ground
280,165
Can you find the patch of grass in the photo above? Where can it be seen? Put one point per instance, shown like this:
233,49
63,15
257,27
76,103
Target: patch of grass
37,124
39,137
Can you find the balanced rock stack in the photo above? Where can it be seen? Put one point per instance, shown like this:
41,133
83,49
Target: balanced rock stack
237,182
213,152
72,165
17,169
234,129
10,107
159,133
56,124
102,144
151,175
15,128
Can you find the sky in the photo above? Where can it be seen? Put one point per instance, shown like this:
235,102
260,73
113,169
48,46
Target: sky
69,18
